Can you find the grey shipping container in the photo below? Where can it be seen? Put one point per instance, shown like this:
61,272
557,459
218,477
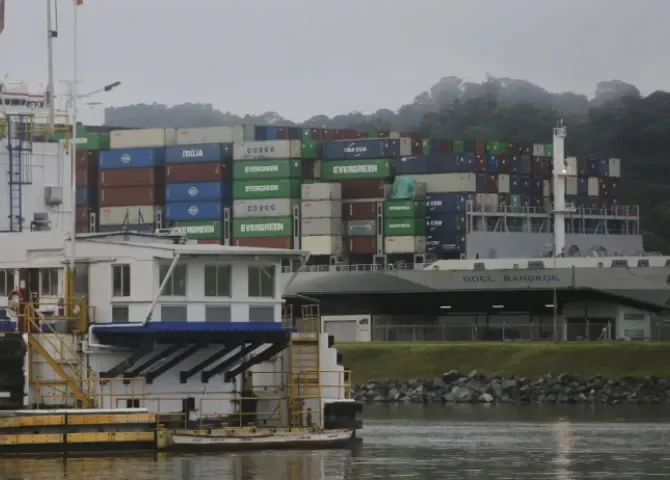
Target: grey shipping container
321,209
269,207
322,191
321,226
361,228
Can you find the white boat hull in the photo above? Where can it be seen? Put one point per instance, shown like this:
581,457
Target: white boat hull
261,440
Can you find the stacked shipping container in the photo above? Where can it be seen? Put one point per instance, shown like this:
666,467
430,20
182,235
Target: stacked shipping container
404,226
321,226
196,194
86,164
266,193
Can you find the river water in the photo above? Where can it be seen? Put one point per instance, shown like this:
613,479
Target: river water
428,443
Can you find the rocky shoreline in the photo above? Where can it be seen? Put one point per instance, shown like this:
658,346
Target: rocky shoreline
475,387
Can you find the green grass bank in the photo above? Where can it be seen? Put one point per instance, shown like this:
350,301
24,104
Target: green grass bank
407,361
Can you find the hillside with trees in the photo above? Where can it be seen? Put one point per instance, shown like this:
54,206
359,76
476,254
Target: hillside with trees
617,122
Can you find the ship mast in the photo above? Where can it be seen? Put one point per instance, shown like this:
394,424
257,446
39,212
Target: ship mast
51,34
559,174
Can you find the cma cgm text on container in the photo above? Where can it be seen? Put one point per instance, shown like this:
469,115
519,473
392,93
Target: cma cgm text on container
367,148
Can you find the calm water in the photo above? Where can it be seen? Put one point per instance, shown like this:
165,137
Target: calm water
408,442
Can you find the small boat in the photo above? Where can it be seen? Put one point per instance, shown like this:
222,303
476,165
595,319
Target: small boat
261,439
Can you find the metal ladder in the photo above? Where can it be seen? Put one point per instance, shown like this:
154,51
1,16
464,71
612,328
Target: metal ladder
304,370
19,146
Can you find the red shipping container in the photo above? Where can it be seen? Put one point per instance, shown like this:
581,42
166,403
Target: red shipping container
480,147
338,134
503,200
361,134
82,214
417,147
264,242
525,148
384,133
503,163
195,172
492,183
128,196
282,133
328,135
349,134
82,228
446,146
87,159
213,241
359,211
363,188
86,177
136,177
308,168
317,134
480,163
361,245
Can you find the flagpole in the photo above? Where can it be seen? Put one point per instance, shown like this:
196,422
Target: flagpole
73,163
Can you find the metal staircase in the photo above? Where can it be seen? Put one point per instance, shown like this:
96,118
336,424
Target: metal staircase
77,380
19,146
304,370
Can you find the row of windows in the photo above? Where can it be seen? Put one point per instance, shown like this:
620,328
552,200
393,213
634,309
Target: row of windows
218,281
213,313
48,278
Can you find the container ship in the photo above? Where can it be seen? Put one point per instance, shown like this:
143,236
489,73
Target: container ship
446,239
124,338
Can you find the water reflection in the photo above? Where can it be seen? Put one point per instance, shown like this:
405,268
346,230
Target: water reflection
410,442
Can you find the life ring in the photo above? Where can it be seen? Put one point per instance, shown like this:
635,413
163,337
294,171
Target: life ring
13,303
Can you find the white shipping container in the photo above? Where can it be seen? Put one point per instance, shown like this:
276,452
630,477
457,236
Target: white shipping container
321,209
267,150
394,134
322,245
571,166
194,136
571,186
143,138
405,147
268,207
546,188
503,183
127,215
321,226
321,191
538,150
615,168
487,202
405,245
447,182
593,186
249,133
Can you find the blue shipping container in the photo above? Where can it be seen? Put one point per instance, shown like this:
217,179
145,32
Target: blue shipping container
437,203
363,149
603,167
515,185
209,152
82,197
294,133
582,187
272,133
451,163
132,158
452,222
526,188
193,211
441,242
536,187
260,133
492,164
127,227
592,167
193,192
481,182
414,165
515,164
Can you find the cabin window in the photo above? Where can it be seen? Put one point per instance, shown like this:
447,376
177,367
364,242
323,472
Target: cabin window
173,313
49,281
217,313
120,313
176,285
121,280
262,281
218,281
6,281
262,313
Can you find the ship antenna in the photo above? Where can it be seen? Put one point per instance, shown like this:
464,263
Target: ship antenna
560,172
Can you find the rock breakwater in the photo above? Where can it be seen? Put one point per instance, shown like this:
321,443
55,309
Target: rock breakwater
475,387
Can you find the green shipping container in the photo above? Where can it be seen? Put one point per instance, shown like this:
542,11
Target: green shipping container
458,146
88,140
306,134
404,209
259,189
373,134
262,227
264,169
311,149
401,227
202,230
515,203
496,147
425,146
357,169
549,150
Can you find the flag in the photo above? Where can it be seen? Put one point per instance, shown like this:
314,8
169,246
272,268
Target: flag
79,2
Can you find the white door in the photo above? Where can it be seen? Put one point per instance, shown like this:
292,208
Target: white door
342,331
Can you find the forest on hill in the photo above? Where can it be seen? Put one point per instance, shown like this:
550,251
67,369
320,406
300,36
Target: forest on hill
617,122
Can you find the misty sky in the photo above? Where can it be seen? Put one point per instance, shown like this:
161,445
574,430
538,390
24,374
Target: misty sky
305,57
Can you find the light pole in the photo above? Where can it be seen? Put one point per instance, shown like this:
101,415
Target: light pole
72,101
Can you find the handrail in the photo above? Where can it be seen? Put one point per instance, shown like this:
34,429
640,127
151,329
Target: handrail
307,374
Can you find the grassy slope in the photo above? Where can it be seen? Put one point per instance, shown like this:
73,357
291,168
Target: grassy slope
406,361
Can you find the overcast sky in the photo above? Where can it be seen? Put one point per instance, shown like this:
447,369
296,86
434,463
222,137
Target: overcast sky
305,57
